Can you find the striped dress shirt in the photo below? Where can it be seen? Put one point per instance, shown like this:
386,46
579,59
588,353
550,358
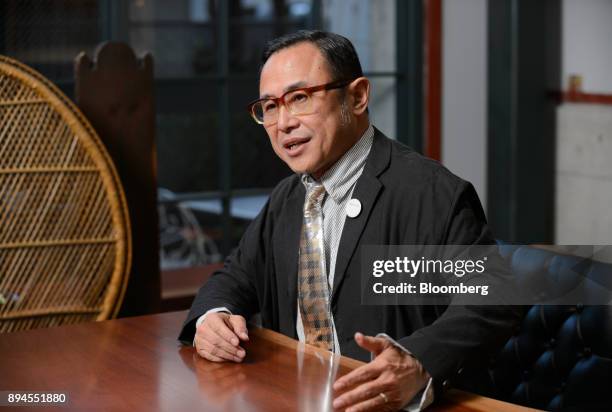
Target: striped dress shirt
339,182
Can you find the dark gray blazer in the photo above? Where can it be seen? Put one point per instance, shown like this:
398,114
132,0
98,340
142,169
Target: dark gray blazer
406,199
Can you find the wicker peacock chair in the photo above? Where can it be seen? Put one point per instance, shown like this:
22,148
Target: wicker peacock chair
64,228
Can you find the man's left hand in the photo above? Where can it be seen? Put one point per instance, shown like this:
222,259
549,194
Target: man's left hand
393,373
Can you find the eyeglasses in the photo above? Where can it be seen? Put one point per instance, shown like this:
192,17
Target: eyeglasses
297,101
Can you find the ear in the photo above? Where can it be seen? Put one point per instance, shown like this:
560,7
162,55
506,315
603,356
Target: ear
359,90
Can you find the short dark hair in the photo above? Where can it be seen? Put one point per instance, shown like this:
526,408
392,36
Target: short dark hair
337,50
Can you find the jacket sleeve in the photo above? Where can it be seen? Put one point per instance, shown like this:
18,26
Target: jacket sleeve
462,331
234,286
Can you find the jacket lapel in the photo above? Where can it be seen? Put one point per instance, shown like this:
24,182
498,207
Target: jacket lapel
289,226
366,191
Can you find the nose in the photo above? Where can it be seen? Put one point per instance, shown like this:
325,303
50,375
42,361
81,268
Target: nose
286,121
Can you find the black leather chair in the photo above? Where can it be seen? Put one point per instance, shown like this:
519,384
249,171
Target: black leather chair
560,358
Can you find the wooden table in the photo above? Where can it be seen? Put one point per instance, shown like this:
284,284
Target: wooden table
136,364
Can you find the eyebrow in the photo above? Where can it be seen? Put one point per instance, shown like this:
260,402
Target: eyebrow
292,86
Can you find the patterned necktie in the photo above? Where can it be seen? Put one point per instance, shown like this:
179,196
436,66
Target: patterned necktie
312,277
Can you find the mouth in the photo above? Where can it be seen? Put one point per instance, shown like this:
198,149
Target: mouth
295,146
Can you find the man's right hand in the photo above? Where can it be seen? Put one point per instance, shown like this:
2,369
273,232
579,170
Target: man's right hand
218,337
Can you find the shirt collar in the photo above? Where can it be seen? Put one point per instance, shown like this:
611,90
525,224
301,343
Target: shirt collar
343,174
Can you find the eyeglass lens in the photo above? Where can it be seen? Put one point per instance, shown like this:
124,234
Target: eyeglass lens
297,102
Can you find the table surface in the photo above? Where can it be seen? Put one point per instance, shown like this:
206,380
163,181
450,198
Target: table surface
137,364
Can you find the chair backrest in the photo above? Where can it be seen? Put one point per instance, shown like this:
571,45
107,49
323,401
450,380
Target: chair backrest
65,248
115,90
561,356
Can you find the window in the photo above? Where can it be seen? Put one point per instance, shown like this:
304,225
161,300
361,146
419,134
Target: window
215,165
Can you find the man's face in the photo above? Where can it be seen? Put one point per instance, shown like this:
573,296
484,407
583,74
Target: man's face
308,143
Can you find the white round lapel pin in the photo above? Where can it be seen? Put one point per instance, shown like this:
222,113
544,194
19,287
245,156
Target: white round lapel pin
353,208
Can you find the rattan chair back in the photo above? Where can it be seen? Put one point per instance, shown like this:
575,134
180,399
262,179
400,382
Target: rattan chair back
64,227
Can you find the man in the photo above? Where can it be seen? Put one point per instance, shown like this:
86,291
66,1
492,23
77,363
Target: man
298,262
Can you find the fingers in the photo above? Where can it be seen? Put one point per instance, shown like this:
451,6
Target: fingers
370,343
222,347
365,396
219,325
393,373
366,372
362,374
215,339
238,324
203,353
217,351
376,403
